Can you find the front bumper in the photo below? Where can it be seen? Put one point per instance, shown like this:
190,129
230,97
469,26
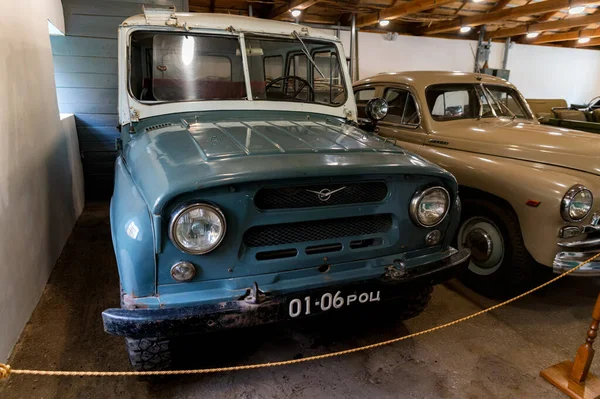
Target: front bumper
567,260
394,283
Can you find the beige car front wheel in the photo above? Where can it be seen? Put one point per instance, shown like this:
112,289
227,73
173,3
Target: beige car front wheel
500,265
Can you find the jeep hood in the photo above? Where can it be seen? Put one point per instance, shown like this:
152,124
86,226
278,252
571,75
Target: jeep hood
526,141
173,157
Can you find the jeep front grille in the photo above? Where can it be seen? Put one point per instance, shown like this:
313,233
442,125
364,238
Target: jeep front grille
308,196
318,230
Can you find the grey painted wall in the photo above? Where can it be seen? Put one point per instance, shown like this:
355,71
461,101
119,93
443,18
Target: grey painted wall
85,66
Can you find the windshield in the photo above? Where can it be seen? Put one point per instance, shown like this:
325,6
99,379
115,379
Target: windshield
474,101
171,67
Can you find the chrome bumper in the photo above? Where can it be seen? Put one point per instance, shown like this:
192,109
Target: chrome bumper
567,260
577,251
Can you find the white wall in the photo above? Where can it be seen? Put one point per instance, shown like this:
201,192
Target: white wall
538,71
41,189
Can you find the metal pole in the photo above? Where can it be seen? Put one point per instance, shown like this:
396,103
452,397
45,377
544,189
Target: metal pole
356,64
352,41
479,44
249,10
506,48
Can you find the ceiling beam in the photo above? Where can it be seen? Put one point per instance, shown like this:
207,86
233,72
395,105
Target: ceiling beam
314,19
593,42
301,5
507,13
544,26
401,10
500,5
547,16
565,36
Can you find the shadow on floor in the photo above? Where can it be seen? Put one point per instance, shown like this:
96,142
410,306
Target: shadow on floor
65,333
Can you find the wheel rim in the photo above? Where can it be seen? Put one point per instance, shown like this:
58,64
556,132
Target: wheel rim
486,243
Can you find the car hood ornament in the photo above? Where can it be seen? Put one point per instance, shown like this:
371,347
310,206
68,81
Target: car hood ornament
325,194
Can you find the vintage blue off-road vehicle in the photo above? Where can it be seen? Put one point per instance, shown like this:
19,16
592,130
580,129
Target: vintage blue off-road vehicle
245,193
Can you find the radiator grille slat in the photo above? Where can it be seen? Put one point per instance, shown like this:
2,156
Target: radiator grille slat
308,196
288,233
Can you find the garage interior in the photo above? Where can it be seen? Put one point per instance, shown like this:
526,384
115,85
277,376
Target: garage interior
59,270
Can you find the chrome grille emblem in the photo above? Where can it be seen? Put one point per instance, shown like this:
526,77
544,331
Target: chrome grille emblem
325,194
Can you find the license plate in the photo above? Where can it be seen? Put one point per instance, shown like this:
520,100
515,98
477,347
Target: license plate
318,303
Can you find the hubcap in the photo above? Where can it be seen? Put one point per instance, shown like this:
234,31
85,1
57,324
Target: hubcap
484,239
480,243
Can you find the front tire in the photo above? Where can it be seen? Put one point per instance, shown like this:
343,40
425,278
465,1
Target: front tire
411,305
500,264
149,354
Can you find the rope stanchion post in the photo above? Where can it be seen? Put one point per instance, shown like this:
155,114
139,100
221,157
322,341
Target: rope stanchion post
574,378
5,370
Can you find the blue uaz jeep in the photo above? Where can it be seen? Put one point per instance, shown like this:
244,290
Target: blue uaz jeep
245,193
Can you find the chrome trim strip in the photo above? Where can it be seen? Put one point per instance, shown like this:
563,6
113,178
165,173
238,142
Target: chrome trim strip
580,244
568,260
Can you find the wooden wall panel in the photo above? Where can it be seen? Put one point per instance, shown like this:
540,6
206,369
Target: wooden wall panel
85,66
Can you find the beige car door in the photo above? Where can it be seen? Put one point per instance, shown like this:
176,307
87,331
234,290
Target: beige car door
403,121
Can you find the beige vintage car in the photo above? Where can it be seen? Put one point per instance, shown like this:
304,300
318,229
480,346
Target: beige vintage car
527,189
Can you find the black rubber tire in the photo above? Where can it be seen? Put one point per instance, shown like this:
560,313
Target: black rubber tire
412,304
149,354
517,270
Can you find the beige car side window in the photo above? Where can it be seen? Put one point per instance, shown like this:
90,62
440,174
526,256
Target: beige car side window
402,107
451,103
362,97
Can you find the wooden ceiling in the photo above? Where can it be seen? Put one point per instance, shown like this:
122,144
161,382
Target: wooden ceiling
550,19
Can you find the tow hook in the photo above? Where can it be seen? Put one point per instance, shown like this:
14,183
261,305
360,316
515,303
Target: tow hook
255,295
395,271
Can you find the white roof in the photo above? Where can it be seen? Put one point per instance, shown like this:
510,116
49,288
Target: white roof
225,21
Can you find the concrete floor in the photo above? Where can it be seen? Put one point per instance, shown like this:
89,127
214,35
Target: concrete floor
496,355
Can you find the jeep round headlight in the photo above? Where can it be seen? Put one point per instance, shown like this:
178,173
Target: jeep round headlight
429,207
197,229
576,204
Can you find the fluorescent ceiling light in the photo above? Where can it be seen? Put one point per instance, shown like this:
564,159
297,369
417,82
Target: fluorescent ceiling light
296,13
583,40
384,22
532,35
477,1
465,29
576,10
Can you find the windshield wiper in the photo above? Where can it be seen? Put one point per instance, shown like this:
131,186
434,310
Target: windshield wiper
306,52
499,104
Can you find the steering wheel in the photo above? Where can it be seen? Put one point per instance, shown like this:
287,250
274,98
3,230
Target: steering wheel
304,83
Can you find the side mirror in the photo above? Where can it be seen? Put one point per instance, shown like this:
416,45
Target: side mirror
376,109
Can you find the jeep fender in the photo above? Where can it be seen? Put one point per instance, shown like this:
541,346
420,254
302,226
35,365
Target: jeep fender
132,236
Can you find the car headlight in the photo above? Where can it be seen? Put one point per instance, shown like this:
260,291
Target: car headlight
197,228
576,204
429,207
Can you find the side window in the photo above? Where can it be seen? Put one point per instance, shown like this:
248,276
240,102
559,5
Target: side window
273,66
362,97
411,112
402,107
451,104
